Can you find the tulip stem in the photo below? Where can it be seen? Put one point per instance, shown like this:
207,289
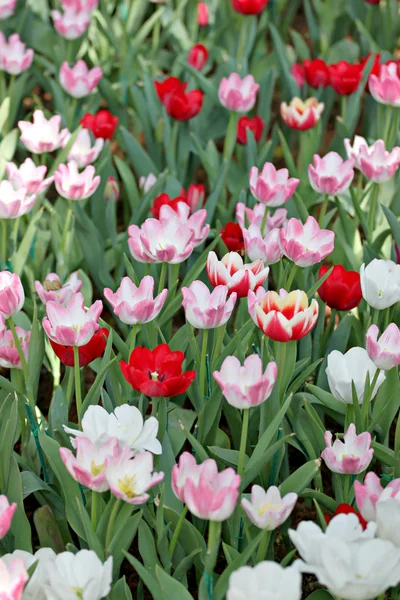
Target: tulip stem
133,339
243,441
372,211
78,394
21,354
367,399
111,523
214,536
65,230
323,210
291,277
263,547
162,277
177,531
3,243
203,360
230,138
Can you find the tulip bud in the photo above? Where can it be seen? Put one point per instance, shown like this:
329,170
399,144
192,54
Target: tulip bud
202,14
111,191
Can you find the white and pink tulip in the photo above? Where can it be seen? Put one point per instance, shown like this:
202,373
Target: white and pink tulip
238,94
14,201
70,24
9,357
15,58
42,135
72,185
272,186
88,467
302,115
350,456
161,240
331,174
306,244
52,290
368,493
205,309
28,176
79,81
267,509
232,272
72,325
134,304
385,87
12,295
385,351
82,151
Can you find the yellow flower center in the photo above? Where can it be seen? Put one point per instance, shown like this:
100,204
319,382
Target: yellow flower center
78,592
127,486
96,469
154,375
264,507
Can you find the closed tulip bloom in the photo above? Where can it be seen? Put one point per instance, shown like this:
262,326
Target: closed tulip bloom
306,244
246,386
331,174
345,77
102,124
380,283
267,510
70,24
248,216
179,104
272,187
205,309
82,151
12,295
385,352
7,8
368,494
14,57
186,467
268,249
232,237
352,367
79,81
238,277
134,304
202,14
86,353
72,325
256,126
302,115
266,581
316,73
28,176
42,135
13,577
161,240
352,456
375,162
249,7
89,466
72,185
111,190
7,511
342,289
9,357
14,202
198,56
238,94
52,288
385,88
283,317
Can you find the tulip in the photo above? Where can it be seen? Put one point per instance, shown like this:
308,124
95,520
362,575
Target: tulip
82,151
14,57
89,466
375,162
146,183
266,581
42,135
331,174
79,575
198,56
283,317
7,511
343,370
256,216
165,200
12,295
70,24
342,289
316,73
186,467
157,372
256,126
249,7
306,244
80,5
267,510
385,87
232,237
14,202
205,310
352,456
79,81
195,222
298,74
267,249
385,352
52,288
134,304
111,190
380,283
202,14
246,386
9,356
179,104
273,187
71,325
346,509
7,8
388,515
13,577
302,115
130,477
368,494
28,176
344,77
195,195
125,424
238,277
86,353
72,185
42,559
102,124
238,94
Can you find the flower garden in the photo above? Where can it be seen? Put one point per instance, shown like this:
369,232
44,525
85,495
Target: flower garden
199,299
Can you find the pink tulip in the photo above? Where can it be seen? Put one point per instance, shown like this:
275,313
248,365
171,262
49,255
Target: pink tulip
352,456
9,357
7,511
28,176
14,57
42,135
238,277
195,195
306,244
195,222
82,151
14,202
331,174
273,187
368,494
133,304
267,249
72,185
202,14
53,290
129,477
79,81
302,115
246,217
247,386
146,183
13,577
267,510
238,94
12,295
70,24
161,240
205,310
80,5
208,494
385,352
385,88
375,162
7,8
89,466
71,325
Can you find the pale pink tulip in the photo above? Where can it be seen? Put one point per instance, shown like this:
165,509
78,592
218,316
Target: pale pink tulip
238,94
368,494
129,477
14,57
161,240
70,24
14,202
353,151
385,352
350,456
195,222
238,277
80,5
12,295
89,466
331,174
53,290
82,151
134,304
28,176
9,357
375,162
205,310
7,8
186,467
306,244
302,115
7,511
272,187
42,135
13,577
246,386
385,88
72,185
72,325
268,249
79,81
146,183
255,216
202,13
267,510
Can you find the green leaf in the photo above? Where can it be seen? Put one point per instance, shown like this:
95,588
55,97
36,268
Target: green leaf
318,284
9,422
147,576
4,110
48,530
326,399
172,589
93,395
120,590
320,595
283,60
20,526
20,258
298,481
139,159
393,223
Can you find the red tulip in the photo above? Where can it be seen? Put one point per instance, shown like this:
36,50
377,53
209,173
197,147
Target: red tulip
195,195
179,104
256,124
157,372
346,509
344,77
87,353
202,14
102,124
342,289
198,56
316,73
232,237
164,199
249,7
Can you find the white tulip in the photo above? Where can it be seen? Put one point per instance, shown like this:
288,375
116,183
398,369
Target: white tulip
34,589
380,283
388,516
266,581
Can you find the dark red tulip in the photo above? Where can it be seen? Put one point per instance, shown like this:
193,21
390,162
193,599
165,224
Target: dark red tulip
346,509
342,289
102,124
87,353
316,73
165,200
256,124
232,237
198,56
344,77
249,7
179,104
